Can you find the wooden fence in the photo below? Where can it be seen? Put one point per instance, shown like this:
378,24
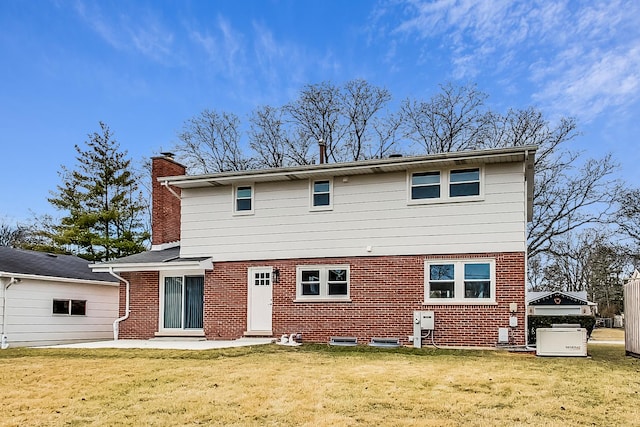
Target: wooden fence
632,315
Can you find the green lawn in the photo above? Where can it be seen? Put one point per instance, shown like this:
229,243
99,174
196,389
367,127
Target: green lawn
317,385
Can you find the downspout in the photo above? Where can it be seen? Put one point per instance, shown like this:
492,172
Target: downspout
4,343
171,190
127,311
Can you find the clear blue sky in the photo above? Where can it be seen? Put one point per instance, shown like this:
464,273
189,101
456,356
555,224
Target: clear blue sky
144,67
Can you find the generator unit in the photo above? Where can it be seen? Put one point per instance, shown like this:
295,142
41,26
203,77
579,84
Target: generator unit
561,342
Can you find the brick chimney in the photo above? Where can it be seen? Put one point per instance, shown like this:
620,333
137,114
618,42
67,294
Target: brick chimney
165,210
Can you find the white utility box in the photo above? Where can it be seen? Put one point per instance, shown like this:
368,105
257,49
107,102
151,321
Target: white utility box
561,342
422,320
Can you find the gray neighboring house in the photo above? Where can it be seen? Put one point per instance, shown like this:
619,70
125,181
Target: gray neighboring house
48,299
556,303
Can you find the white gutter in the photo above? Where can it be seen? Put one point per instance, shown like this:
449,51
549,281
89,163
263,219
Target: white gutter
4,343
171,190
127,311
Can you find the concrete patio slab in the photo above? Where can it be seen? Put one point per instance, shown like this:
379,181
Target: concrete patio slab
165,344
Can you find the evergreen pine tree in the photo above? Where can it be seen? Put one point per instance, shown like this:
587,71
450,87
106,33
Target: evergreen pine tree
103,206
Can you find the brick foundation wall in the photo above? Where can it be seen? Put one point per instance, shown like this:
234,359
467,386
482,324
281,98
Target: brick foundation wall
384,293
144,302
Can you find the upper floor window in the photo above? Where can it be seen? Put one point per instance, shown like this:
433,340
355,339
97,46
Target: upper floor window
460,281
243,199
321,192
323,282
444,186
464,182
425,185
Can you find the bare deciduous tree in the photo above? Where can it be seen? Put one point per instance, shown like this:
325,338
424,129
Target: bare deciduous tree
12,235
628,213
317,116
267,137
589,261
360,102
210,142
452,120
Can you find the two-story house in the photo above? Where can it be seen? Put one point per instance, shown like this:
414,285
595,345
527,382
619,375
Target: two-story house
345,249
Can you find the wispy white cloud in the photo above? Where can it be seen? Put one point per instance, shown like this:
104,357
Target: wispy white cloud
140,33
582,57
224,46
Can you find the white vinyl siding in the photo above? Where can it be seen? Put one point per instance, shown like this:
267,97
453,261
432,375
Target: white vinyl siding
368,211
30,318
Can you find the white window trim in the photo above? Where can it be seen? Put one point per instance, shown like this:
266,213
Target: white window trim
480,186
324,286
176,273
69,313
234,204
311,193
444,187
458,276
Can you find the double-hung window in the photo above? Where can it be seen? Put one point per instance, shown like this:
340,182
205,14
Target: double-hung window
425,185
321,194
464,182
243,199
460,281
323,282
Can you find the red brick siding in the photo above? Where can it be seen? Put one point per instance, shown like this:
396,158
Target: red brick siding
144,302
384,293
165,217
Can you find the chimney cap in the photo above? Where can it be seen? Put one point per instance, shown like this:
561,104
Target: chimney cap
168,154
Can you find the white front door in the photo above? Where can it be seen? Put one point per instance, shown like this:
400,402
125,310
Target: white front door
260,299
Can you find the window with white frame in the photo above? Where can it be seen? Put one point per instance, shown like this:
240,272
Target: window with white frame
243,199
322,282
321,194
464,182
425,185
460,281
70,307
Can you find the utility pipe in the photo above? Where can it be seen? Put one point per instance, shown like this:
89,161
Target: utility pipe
127,311
4,343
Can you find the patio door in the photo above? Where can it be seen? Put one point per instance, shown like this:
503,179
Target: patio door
183,302
260,303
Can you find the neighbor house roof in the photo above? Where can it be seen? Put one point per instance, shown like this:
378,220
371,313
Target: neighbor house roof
580,297
154,260
24,263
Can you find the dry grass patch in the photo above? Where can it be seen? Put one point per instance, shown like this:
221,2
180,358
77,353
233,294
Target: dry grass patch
607,334
316,386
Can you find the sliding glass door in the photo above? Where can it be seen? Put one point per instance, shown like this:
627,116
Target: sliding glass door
183,302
